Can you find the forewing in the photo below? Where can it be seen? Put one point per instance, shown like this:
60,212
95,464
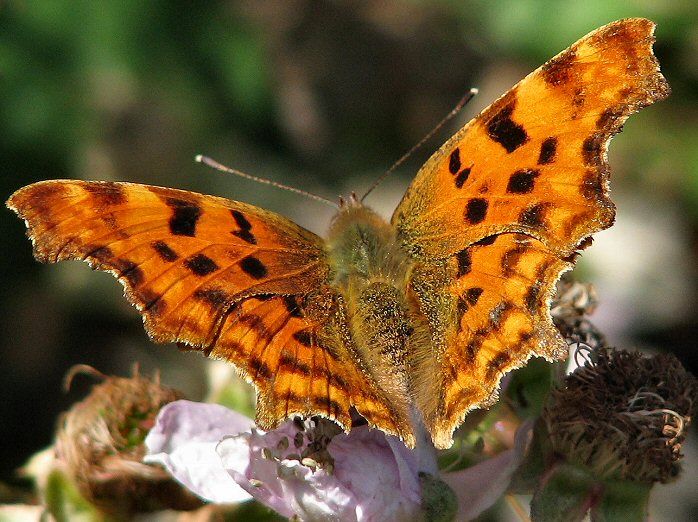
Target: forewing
535,160
174,251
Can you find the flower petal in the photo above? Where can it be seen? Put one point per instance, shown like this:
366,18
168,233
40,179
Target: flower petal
479,487
380,471
184,441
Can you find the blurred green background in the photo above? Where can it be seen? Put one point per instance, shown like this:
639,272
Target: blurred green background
322,95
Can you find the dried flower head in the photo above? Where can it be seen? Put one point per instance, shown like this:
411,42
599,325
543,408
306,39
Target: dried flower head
624,415
99,445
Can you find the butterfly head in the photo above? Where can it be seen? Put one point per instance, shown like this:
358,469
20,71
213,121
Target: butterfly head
351,201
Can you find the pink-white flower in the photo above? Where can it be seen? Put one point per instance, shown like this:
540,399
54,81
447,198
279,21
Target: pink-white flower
296,470
217,454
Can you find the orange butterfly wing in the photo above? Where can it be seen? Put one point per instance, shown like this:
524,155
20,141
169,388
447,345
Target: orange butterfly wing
232,280
530,172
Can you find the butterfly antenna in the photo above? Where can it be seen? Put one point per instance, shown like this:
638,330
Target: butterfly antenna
461,103
218,166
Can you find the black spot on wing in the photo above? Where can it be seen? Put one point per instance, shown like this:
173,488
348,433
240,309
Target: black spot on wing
547,151
608,118
215,297
244,227
463,307
201,265
290,397
185,215
475,344
592,186
522,181
309,339
304,337
107,260
533,298
292,306
153,304
328,406
472,295
465,262
253,267
257,325
533,216
454,161
591,150
476,210
228,350
462,177
106,192
497,363
505,131
289,363
130,271
246,236
489,240
103,254
259,368
164,251
333,378
241,220
557,71
511,258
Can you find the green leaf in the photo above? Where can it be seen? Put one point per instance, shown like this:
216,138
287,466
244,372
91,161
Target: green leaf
529,387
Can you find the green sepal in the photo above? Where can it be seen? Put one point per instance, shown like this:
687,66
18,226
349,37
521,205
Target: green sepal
66,504
622,500
569,491
439,502
565,494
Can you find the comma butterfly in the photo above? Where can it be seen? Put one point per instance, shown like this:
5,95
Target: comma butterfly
412,322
